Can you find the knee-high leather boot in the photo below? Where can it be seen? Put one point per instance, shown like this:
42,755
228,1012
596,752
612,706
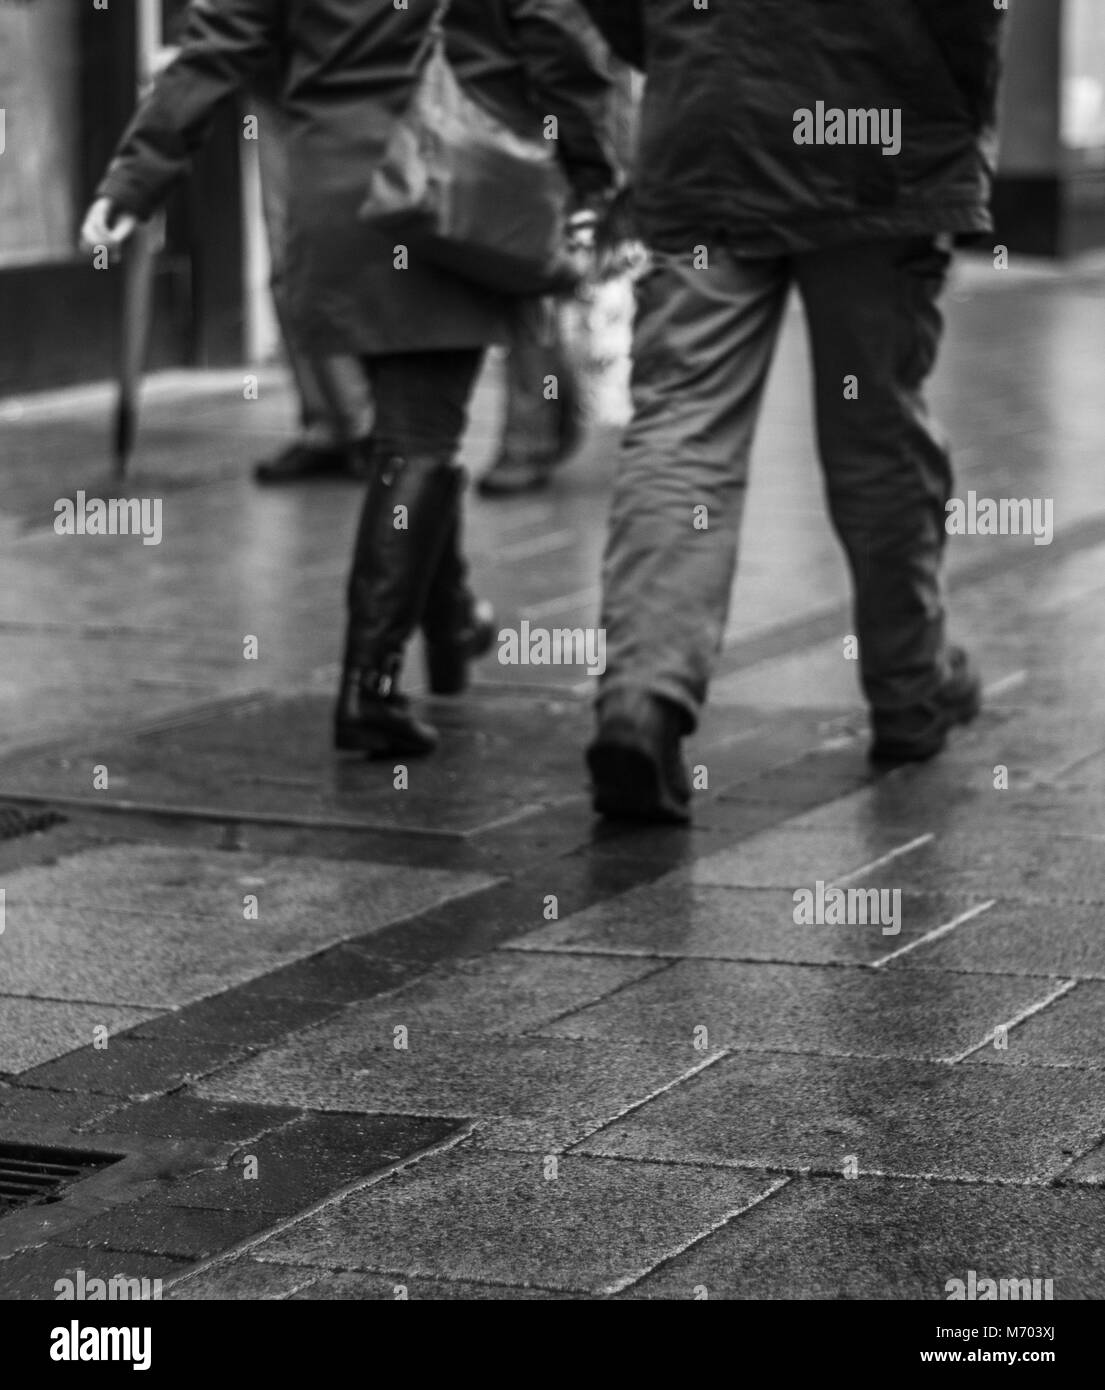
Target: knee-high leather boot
456,625
409,510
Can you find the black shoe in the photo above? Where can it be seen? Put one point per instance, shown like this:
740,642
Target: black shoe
637,768
511,477
300,463
373,718
915,736
448,658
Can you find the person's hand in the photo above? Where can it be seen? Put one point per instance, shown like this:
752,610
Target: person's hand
104,225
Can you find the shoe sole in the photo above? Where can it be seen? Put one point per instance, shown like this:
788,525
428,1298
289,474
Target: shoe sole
627,786
377,744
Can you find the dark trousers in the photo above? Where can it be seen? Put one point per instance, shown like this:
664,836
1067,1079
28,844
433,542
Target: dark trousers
703,343
408,563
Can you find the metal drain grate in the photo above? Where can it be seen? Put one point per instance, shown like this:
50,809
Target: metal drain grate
26,820
31,1175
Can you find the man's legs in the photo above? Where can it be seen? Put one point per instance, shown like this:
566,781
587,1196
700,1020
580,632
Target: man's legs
875,328
703,341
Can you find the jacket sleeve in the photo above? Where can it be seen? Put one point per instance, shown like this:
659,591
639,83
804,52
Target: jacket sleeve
566,70
622,25
222,43
968,34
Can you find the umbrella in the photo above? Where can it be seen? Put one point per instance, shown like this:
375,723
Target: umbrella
139,265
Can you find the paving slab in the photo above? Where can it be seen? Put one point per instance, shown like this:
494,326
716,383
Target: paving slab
273,757
836,1010
240,1278
290,1168
497,1218
35,1274
871,1239
185,1116
377,1288
1089,1168
22,1109
994,863
152,1227
153,925
499,993
1046,937
457,1074
908,1118
797,858
132,1067
675,918
1069,1033
33,1031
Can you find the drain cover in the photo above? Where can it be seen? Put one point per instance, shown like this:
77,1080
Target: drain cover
30,1175
25,820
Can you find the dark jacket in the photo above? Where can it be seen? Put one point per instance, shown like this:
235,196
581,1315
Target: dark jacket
347,70
717,158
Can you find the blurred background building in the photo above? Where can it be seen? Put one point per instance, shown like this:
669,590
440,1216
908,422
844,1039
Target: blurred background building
68,75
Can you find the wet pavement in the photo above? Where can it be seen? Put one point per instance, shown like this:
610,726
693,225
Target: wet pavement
346,1034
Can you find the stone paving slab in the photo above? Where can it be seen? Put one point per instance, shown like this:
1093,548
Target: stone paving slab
982,862
274,757
894,1240
33,1274
675,918
457,1074
1052,869
1020,938
1089,1168
497,1218
1068,1033
837,1010
299,1163
157,926
499,993
376,1288
909,1118
133,1067
33,1031
240,1278
795,858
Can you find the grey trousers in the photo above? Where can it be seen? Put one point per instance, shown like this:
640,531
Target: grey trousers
703,343
334,400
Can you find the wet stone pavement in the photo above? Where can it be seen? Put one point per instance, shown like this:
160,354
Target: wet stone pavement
342,1037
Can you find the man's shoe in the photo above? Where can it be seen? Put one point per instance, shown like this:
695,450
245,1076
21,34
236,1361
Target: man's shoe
914,737
300,463
447,659
636,765
512,477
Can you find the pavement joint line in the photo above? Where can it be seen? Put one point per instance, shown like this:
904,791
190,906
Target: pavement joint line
378,1272
357,1185
808,1172
603,998
907,848
238,818
976,911
1004,683
563,603
708,1061
1064,987
621,1285
536,545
